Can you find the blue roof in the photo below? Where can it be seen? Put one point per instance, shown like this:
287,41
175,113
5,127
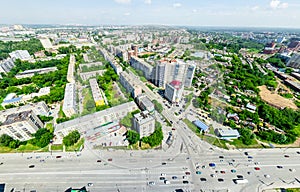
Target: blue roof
201,125
12,100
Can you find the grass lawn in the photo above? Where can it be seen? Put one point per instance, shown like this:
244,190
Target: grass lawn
239,144
76,146
4,149
192,126
189,99
29,147
57,147
88,97
50,127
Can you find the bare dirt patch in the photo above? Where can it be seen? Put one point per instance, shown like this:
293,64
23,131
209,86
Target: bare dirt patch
275,99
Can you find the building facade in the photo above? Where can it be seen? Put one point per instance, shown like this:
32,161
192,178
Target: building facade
168,70
91,121
143,66
173,91
145,103
7,65
71,69
21,126
294,62
129,82
144,124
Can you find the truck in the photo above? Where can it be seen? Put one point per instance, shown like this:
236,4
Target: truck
240,181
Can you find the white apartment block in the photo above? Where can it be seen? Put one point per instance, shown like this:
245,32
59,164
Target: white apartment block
69,106
143,66
130,84
110,58
92,121
39,108
30,73
7,65
99,100
71,69
20,54
174,91
168,70
145,103
21,125
144,124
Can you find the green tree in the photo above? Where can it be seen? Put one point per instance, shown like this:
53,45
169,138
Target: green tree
158,107
71,138
132,137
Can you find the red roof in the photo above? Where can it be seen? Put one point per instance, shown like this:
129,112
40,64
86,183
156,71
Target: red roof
176,84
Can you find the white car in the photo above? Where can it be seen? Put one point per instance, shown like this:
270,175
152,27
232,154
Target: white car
163,174
267,176
151,183
292,170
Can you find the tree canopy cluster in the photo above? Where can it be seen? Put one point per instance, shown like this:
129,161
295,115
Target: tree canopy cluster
41,139
71,138
158,107
132,137
156,137
32,46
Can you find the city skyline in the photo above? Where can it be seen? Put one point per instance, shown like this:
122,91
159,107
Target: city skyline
266,13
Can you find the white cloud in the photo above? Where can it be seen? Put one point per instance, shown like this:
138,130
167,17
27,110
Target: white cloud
195,10
255,8
276,4
177,5
148,1
127,14
123,1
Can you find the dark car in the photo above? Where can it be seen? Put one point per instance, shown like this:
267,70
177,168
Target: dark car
246,153
31,166
163,163
203,179
279,167
58,157
99,161
110,159
221,157
221,180
185,182
162,178
240,176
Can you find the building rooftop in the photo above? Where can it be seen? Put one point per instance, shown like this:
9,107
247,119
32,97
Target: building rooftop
69,98
16,117
176,84
201,125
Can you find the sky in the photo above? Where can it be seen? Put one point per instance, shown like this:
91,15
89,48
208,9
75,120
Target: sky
230,13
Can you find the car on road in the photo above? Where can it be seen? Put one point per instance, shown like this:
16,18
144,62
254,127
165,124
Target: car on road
29,157
173,129
240,176
250,157
220,180
163,163
221,157
110,159
99,161
298,152
233,171
213,175
162,178
223,172
1,163
292,170
286,156
163,174
167,182
198,172
212,165
246,153
151,183
279,166
267,176
257,168
171,122
42,160
203,179
256,163
185,182
187,173
184,177
203,166
31,166
90,184
58,157
174,177
249,173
